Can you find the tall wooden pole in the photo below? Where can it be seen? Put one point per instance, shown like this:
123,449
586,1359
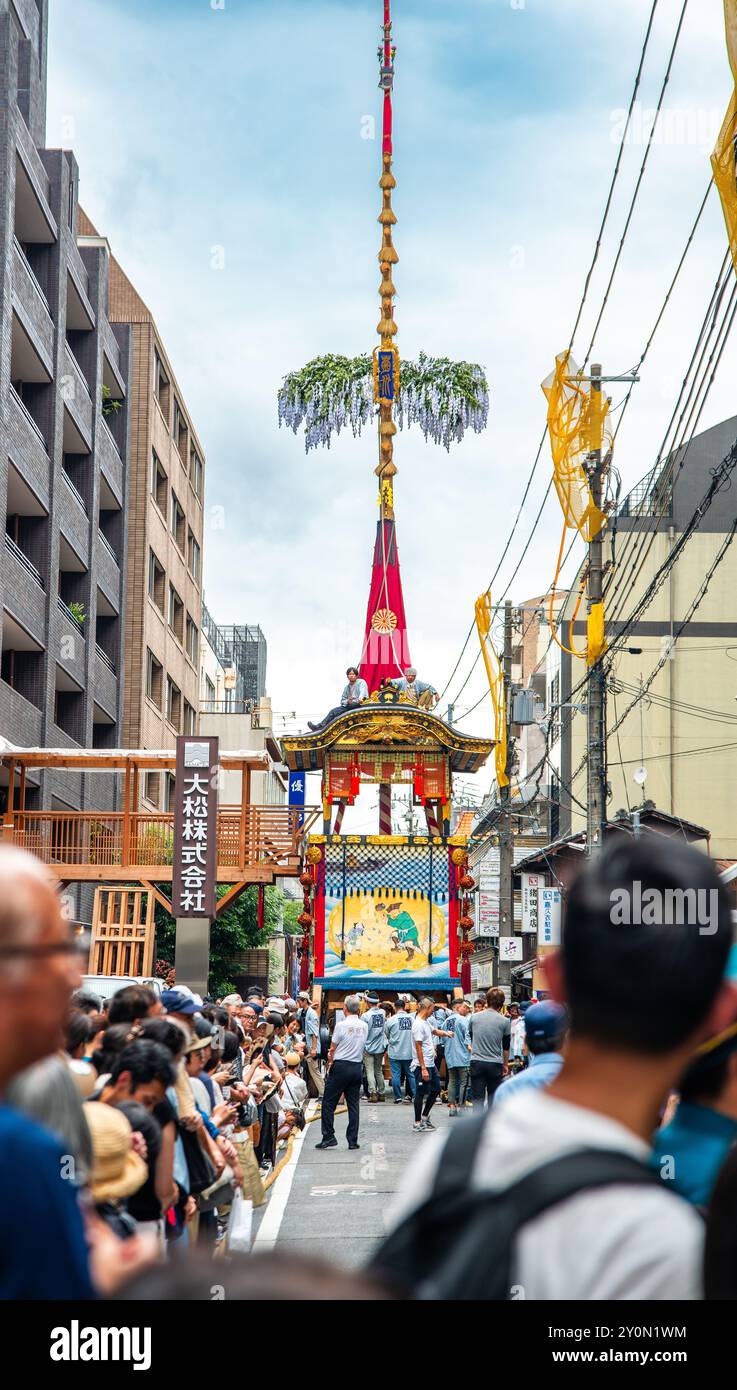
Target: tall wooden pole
387,328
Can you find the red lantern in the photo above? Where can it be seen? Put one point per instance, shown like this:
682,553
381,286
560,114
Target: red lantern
467,881
305,879
465,923
305,920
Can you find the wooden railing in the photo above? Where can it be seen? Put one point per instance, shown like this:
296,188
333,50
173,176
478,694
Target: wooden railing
79,840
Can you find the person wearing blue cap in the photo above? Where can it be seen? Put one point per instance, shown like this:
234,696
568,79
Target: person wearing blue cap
545,1028
180,1006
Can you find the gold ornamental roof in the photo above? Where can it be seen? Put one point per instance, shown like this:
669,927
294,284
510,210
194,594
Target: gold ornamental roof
375,727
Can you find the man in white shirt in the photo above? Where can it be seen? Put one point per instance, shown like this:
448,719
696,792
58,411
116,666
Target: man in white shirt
345,1073
628,1045
427,1081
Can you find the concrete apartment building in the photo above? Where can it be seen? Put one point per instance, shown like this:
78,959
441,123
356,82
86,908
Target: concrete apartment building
240,722
682,731
64,416
164,557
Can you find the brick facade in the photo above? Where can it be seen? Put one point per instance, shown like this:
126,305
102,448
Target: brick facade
63,470
150,626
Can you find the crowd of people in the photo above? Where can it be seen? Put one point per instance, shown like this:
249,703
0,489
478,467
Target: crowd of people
597,1159
459,1052
139,1117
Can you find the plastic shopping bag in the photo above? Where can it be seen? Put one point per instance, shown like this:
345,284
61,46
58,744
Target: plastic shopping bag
240,1222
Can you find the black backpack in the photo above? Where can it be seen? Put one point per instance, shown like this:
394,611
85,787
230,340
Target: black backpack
459,1243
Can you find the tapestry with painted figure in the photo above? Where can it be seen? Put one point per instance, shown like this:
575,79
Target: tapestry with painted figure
386,912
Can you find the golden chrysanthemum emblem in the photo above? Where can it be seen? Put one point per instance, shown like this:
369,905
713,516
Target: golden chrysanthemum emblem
384,620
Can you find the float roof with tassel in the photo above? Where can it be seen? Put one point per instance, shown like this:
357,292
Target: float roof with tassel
445,398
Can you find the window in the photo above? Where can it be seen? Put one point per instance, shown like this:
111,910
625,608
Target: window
179,431
154,677
195,472
156,579
161,384
189,719
209,691
193,557
177,521
176,613
159,483
173,709
169,789
153,789
192,643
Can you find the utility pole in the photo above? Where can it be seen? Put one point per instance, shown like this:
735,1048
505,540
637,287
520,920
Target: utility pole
506,839
596,699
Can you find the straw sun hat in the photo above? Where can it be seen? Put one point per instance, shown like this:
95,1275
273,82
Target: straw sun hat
116,1170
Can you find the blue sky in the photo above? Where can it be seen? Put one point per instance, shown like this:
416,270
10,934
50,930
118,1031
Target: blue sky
241,128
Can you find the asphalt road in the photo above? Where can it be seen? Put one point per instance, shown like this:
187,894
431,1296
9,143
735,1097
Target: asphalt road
333,1203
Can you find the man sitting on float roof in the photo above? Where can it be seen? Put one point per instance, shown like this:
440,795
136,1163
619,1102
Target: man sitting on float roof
417,692
354,693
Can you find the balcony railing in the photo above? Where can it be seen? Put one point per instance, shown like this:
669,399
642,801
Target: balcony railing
74,490
228,706
248,837
23,560
79,375
69,614
24,409
32,274
108,431
108,546
105,659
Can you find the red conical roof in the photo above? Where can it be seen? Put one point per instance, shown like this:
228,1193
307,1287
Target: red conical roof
386,643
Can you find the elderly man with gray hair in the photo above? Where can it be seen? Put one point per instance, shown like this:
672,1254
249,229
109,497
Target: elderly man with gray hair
345,1073
417,692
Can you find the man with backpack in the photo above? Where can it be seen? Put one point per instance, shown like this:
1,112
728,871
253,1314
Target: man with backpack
549,1196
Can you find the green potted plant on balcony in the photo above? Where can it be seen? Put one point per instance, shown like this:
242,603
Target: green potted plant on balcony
77,611
110,404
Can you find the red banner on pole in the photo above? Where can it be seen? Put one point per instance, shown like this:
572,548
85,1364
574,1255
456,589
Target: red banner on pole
386,642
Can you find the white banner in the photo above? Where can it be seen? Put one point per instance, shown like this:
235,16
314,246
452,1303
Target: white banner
550,912
531,885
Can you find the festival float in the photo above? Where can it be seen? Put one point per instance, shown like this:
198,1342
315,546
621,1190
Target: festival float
386,912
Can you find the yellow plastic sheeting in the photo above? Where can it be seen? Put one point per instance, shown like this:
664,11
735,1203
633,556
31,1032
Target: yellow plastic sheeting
576,417
495,674
596,641
723,162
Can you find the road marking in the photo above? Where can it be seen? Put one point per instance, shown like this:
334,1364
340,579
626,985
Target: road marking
335,1188
268,1231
